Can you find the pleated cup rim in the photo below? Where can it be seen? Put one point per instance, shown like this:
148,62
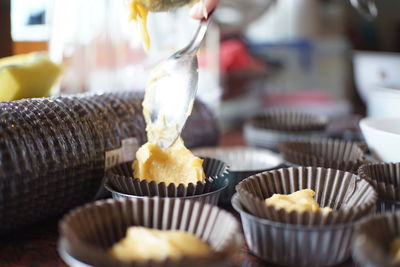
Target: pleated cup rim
387,191
296,156
222,188
219,171
306,122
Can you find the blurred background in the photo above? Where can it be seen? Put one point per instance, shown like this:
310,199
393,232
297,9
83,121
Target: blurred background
331,57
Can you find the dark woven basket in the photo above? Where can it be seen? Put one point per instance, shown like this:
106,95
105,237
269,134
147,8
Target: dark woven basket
52,151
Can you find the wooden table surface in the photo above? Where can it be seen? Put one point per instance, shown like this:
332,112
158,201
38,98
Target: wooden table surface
37,245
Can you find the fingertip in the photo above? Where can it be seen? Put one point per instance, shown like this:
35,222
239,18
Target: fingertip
199,11
196,11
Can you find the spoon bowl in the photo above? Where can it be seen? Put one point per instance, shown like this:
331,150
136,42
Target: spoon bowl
171,91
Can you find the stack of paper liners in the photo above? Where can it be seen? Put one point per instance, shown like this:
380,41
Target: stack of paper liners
272,127
88,232
52,150
328,153
385,177
303,239
121,183
372,239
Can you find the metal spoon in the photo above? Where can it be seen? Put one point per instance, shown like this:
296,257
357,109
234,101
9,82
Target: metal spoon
171,91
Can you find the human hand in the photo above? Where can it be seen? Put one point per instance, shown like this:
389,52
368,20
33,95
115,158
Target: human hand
197,11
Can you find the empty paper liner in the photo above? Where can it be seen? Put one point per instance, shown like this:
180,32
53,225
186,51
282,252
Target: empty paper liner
242,162
52,150
120,182
295,245
328,153
87,233
289,121
271,128
385,177
372,239
348,195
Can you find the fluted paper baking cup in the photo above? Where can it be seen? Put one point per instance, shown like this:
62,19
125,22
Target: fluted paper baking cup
243,162
387,205
88,232
385,177
270,139
273,127
289,121
295,245
372,239
349,196
211,197
328,153
120,183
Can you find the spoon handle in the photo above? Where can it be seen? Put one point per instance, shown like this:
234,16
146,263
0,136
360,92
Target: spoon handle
193,46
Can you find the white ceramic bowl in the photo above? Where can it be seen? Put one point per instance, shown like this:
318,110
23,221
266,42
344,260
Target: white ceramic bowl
383,137
375,69
384,103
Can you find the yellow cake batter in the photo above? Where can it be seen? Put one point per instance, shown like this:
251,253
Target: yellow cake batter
138,13
300,201
144,244
139,10
175,165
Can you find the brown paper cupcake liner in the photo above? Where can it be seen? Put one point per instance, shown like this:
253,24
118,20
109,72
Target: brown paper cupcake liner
212,197
295,245
120,182
349,196
385,177
387,206
243,162
289,121
88,232
272,127
327,153
372,240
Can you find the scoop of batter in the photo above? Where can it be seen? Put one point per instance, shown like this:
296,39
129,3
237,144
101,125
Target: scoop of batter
144,244
300,201
176,164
